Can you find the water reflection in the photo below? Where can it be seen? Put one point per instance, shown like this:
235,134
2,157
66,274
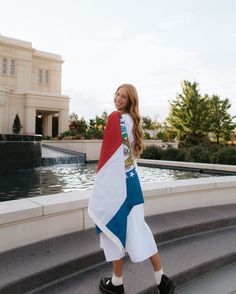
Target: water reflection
65,178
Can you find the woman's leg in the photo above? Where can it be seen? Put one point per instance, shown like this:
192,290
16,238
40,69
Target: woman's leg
118,267
165,285
156,261
115,283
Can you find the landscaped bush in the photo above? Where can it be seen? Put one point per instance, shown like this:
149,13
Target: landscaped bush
69,133
197,154
46,137
146,136
173,154
94,133
211,153
226,155
152,152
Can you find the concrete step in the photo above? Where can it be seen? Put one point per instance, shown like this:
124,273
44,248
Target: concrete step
183,260
221,281
77,256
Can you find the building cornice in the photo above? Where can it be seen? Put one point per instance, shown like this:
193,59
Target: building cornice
44,94
27,46
19,44
47,55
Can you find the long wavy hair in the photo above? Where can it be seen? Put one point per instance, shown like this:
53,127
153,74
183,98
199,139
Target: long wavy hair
133,109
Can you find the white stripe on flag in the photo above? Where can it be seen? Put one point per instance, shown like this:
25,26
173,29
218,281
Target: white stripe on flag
109,190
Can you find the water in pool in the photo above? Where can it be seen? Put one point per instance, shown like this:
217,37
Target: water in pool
65,178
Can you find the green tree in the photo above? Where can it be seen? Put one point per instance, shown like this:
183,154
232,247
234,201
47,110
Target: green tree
166,133
188,114
77,126
96,127
73,117
150,127
147,123
16,127
221,122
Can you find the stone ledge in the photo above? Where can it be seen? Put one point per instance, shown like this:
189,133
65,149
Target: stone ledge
27,208
67,212
192,165
62,202
20,209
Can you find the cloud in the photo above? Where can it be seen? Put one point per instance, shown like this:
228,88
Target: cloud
171,22
111,34
156,70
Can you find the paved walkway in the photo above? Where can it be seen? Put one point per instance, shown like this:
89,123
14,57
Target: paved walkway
219,282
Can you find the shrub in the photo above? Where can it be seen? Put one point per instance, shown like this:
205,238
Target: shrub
226,155
46,137
173,154
152,152
16,125
69,133
199,154
212,153
146,136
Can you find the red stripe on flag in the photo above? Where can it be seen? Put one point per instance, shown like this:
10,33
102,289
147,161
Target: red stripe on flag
112,138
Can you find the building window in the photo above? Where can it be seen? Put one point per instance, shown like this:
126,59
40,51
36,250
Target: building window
46,76
40,77
43,76
12,67
4,66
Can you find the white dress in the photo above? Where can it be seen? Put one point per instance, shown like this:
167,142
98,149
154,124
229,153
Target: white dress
140,243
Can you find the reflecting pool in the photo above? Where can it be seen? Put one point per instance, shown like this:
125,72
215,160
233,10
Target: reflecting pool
64,178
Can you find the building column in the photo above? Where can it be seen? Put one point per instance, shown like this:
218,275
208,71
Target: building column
29,120
47,124
2,119
63,121
4,99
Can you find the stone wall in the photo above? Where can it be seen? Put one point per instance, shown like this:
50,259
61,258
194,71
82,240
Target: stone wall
19,152
30,220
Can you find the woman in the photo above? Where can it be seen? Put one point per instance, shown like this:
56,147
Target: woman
121,223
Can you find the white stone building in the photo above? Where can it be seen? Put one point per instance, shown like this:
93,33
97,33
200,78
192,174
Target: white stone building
30,85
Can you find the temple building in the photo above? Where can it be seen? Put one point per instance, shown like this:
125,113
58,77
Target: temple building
30,85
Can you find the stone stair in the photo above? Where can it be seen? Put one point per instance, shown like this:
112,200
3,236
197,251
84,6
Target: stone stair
191,243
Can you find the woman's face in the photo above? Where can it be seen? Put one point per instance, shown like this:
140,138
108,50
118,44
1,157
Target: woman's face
121,99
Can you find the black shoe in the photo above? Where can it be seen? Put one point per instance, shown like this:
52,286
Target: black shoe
106,286
166,286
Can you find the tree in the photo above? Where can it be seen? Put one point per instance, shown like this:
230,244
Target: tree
166,133
96,127
78,126
16,127
73,117
188,114
147,123
221,122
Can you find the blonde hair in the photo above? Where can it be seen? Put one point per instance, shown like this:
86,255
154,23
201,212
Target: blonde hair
133,109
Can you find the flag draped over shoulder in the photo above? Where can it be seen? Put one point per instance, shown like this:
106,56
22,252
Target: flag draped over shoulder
117,188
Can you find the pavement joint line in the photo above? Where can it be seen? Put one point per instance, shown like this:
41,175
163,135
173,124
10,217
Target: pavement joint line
87,269
206,275
192,235
193,270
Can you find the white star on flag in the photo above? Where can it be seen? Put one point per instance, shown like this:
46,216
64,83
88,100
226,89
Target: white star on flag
131,174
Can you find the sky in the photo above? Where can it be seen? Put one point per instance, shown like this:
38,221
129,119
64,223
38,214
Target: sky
152,44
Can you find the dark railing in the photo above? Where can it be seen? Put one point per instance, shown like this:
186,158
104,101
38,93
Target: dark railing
20,137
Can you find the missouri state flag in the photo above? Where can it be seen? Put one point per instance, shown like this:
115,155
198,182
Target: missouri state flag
116,188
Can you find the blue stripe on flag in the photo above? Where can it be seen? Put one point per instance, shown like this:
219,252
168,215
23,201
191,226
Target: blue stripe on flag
118,224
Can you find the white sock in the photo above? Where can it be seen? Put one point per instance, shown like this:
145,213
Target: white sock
117,281
158,275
